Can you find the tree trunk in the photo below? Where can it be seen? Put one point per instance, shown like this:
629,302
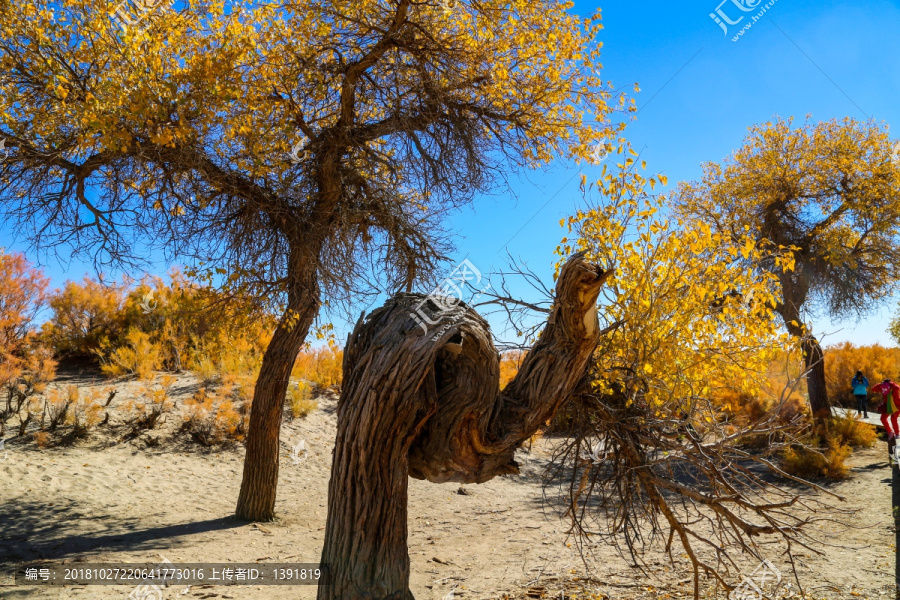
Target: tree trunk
794,296
426,403
814,359
256,501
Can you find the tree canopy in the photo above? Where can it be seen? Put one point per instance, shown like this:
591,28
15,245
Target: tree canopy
828,195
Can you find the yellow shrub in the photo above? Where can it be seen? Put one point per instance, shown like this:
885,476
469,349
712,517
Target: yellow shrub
300,396
320,366
57,405
809,462
41,438
152,404
138,356
850,431
84,412
85,316
211,419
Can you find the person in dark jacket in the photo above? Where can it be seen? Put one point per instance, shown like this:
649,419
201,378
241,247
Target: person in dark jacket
861,390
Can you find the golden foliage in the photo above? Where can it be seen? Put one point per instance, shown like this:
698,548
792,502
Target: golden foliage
844,360
687,317
510,362
212,419
300,397
85,317
152,403
26,366
137,355
811,463
827,193
321,366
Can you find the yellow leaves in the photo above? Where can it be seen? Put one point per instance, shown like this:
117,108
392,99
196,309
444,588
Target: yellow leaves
679,293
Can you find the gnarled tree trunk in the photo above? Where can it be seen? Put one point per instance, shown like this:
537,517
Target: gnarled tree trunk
427,404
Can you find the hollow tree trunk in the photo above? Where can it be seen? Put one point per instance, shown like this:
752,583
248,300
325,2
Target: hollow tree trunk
256,501
427,404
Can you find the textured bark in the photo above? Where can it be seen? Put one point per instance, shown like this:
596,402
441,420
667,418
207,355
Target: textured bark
256,501
814,359
795,293
427,404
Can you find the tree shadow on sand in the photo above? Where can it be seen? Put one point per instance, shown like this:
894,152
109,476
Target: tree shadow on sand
33,530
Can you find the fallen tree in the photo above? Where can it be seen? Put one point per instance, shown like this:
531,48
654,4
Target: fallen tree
415,403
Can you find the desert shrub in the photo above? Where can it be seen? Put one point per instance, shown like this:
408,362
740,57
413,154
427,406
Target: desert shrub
56,408
811,462
26,366
844,360
849,431
70,407
212,419
300,397
84,412
41,438
85,317
321,366
22,379
138,356
152,404
183,322
22,295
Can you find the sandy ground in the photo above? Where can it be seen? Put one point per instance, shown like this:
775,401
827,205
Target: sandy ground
110,499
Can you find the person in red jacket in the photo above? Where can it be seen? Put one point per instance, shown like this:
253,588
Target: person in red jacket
890,401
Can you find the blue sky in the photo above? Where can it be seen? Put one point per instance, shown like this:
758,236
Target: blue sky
699,93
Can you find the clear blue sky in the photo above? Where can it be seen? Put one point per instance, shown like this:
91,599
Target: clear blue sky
700,92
